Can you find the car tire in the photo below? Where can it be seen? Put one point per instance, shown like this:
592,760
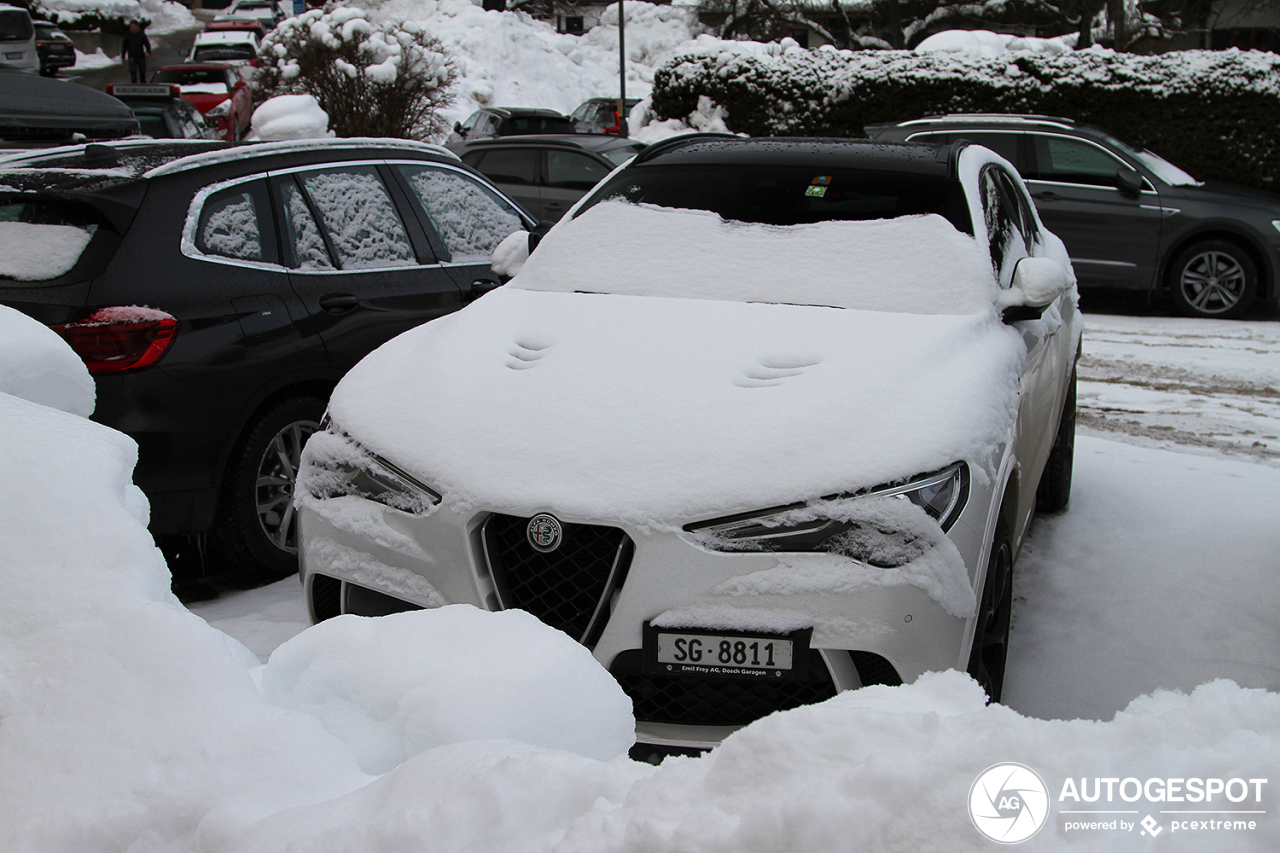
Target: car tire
256,532
995,609
1054,492
1214,278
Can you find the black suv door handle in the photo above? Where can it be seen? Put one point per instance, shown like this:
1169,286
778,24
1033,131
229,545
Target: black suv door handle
481,286
339,303
1047,195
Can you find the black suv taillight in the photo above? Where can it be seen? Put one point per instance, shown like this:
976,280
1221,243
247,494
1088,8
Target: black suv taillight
118,339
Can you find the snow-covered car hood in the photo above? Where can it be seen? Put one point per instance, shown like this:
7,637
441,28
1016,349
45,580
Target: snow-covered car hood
657,411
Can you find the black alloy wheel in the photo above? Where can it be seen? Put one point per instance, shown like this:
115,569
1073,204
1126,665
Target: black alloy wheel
991,635
257,530
1213,279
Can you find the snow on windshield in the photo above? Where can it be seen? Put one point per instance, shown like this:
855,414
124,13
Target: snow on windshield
32,252
913,265
1165,171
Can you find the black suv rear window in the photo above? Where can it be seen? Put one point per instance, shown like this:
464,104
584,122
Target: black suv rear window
42,240
790,195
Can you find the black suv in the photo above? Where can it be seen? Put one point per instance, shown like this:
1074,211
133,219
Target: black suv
1129,218
217,292
546,174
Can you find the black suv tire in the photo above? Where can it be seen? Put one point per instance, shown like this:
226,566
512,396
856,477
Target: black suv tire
257,530
1223,268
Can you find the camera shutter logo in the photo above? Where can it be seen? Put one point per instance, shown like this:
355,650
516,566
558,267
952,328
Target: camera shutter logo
1008,803
544,533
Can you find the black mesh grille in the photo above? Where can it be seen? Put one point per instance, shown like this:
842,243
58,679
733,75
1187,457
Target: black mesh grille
326,597
716,701
561,588
873,669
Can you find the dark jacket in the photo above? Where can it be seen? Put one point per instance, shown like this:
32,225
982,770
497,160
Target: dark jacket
135,45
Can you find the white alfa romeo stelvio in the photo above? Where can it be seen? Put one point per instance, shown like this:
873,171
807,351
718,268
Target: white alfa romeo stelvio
759,421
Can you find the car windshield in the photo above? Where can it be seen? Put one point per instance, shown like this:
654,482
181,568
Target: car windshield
790,195
517,125
190,76
620,155
1160,167
225,51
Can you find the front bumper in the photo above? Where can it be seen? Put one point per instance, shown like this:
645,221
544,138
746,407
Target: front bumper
361,557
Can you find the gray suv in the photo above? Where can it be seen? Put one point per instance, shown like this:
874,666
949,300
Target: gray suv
1129,218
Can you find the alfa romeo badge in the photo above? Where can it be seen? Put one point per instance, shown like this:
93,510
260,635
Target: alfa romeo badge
544,532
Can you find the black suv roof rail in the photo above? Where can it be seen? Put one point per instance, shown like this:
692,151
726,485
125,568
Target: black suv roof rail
1012,118
671,143
263,149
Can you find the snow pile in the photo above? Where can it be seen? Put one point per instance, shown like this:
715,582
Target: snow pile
289,117
40,367
510,59
165,16
988,44
459,674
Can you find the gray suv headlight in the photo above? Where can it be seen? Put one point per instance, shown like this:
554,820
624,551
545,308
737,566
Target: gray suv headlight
887,526
334,465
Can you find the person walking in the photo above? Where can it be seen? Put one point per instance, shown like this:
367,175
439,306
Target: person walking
134,50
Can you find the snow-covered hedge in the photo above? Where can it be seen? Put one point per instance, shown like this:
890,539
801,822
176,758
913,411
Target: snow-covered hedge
1212,112
386,77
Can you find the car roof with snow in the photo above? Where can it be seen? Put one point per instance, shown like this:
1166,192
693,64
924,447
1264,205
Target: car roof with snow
100,167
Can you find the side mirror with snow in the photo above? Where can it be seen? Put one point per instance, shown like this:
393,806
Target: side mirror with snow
1037,283
510,254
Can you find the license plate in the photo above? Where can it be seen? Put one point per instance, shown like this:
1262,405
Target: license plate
726,654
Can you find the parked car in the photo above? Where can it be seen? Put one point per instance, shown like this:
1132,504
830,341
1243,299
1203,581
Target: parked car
239,46
37,110
266,11
235,24
490,122
599,115
216,89
788,447
17,41
547,174
218,292
1130,219
162,112
54,47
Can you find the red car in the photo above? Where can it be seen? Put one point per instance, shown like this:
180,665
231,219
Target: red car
217,90
231,24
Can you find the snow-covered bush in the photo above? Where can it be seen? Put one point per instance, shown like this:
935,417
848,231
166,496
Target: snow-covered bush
388,78
113,16
1212,112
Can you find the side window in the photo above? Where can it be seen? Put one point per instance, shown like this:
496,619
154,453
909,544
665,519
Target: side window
301,231
1003,232
1018,202
470,218
1004,144
572,171
511,165
232,224
1072,161
359,217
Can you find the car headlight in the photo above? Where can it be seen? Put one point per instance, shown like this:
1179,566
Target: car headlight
334,465
219,110
887,526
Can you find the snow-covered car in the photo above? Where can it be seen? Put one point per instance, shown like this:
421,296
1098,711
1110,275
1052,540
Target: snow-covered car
790,446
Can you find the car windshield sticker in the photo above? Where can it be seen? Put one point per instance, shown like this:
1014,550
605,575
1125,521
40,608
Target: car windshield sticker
816,191
822,181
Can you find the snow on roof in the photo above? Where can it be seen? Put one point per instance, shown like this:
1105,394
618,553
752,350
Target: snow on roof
262,149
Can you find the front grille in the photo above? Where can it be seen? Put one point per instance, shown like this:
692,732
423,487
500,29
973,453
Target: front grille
716,701
568,588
